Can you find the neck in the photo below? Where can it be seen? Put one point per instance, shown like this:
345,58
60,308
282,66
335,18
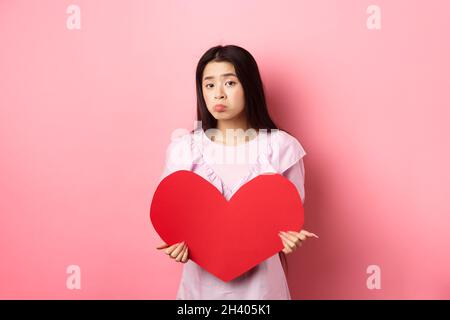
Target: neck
239,122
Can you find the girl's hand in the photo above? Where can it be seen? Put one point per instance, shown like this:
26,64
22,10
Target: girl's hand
179,251
293,240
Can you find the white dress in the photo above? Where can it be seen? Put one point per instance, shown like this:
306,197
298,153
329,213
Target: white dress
228,168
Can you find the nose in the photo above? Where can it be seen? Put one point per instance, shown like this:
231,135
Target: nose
219,94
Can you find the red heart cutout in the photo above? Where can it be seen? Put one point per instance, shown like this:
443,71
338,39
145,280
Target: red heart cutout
227,238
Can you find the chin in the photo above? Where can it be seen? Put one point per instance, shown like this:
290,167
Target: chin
222,116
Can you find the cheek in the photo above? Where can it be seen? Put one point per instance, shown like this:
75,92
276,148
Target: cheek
207,97
239,94
238,98
236,94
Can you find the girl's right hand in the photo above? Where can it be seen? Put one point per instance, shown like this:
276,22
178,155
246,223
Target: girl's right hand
178,251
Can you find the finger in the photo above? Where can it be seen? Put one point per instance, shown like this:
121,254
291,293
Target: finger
288,241
299,235
284,242
309,234
162,246
291,237
180,255
170,249
177,250
287,250
185,255
285,245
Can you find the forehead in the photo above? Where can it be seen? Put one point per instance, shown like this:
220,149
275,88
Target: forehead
218,69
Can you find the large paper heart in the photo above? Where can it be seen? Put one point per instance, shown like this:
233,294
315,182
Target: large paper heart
226,238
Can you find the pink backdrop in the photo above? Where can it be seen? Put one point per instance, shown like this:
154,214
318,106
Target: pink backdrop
86,115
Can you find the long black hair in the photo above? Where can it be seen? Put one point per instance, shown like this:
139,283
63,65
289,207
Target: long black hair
248,74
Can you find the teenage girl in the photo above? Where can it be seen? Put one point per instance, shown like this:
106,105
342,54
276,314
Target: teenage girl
233,119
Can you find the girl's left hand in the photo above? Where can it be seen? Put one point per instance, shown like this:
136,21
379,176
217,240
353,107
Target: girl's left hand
292,240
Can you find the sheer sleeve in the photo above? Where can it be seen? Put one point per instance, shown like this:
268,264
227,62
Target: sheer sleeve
178,156
288,156
296,174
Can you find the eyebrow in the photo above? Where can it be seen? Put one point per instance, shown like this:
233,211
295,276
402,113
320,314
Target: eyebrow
223,75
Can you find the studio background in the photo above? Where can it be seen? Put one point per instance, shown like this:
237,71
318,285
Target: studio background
87,110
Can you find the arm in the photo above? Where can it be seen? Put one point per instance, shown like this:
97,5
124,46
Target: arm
292,240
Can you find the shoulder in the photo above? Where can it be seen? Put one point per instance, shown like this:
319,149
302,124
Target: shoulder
179,150
179,140
287,140
286,150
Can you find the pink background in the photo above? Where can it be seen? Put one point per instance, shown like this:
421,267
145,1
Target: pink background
86,116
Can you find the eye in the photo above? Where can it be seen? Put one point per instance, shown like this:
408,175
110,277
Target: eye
233,82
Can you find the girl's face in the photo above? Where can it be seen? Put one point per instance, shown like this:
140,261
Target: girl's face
220,85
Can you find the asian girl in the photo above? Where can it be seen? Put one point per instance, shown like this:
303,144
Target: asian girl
231,109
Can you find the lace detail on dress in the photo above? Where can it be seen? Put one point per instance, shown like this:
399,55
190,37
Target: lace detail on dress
262,164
